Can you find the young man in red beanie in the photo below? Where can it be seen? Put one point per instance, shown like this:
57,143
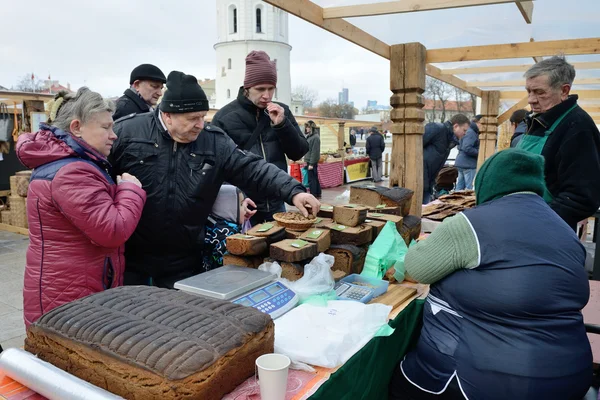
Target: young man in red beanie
263,127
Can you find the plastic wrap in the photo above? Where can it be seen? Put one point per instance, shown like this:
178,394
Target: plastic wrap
48,380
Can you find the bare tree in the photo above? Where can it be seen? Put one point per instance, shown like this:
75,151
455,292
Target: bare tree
473,104
28,83
306,95
440,93
330,108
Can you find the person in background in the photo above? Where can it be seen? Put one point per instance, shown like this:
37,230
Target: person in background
312,158
438,140
503,316
518,125
79,219
261,126
145,88
352,138
375,148
468,150
182,164
568,139
230,215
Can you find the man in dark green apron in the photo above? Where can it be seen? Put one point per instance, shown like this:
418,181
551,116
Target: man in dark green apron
561,131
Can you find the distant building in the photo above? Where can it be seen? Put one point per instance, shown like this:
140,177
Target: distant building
371,104
3,88
209,87
434,111
343,96
297,107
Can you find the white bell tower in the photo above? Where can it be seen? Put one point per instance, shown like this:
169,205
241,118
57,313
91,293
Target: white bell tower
244,26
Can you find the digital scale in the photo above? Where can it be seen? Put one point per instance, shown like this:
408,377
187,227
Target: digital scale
245,286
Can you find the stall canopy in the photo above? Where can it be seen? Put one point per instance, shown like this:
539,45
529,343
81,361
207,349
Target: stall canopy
481,46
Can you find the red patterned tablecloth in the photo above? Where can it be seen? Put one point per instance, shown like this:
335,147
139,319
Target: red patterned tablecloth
330,174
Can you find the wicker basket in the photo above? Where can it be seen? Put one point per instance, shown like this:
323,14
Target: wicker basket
18,209
5,217
13,185
23,178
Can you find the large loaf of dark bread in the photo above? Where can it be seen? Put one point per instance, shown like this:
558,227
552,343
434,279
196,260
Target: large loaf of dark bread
147,343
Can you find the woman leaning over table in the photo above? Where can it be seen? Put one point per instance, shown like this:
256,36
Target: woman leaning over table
502,320
79,219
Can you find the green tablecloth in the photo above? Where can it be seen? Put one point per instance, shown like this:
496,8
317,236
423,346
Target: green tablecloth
367,374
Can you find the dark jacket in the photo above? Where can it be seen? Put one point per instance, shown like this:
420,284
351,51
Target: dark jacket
518,135
438,140
130,103
314,149
352,140
572,155
182,182
240,118
375,146
468,149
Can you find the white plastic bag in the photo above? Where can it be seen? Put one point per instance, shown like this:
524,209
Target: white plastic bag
328,336
317,278
344,196
272,267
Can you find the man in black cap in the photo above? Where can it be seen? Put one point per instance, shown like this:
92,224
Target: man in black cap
181,164
146,84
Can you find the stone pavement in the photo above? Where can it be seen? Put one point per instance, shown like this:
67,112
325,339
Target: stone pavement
12,267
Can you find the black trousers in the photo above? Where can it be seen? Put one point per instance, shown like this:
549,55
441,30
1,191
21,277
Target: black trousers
313,181
401,389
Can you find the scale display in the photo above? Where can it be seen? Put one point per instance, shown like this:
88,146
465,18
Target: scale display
274,299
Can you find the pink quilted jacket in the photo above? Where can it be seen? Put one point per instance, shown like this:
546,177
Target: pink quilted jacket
78,219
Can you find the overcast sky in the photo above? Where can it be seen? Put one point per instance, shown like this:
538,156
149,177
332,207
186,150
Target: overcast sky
98,43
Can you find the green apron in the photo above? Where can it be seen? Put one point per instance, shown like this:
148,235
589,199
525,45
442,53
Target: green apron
535,145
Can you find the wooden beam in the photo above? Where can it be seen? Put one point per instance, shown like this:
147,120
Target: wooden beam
526,9
310,12
14,229
515,50
9,95
535,59
510,68
436,73
407,83
408,6
482,84
583,94
505,116
490,103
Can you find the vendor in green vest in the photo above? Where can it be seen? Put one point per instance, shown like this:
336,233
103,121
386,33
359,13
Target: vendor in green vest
568,139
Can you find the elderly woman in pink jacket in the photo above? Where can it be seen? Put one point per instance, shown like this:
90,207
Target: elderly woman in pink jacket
79,218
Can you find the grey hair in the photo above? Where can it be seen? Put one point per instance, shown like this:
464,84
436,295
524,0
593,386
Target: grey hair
558,70
82,106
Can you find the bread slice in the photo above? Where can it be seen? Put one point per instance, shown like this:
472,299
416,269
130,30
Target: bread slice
349,215
245,245
293,250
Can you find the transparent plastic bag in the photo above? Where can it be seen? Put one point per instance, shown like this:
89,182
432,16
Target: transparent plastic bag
344,196
272,267
317,279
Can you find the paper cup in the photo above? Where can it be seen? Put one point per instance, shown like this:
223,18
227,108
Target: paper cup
272,376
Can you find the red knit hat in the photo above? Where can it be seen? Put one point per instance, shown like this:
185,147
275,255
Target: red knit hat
260,70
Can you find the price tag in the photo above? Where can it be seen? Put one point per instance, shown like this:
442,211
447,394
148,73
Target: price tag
318,220
381,206
350,205
299,244
246,236
368,220
339,227
376,215
327,208
265,227
315,234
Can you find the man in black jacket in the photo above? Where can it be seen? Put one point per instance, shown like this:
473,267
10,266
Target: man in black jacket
567,137
146,84
438,140
181,167
375,149
263,127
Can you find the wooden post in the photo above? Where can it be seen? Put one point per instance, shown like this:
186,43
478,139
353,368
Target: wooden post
386,165
407,83
490,104
341,147
28,107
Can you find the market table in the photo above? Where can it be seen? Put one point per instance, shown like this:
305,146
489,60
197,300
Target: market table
367,373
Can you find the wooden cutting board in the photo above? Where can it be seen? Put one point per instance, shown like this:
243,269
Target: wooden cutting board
395,296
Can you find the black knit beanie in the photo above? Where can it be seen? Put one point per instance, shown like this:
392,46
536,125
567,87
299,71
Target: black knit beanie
147,72
183,94
510,171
